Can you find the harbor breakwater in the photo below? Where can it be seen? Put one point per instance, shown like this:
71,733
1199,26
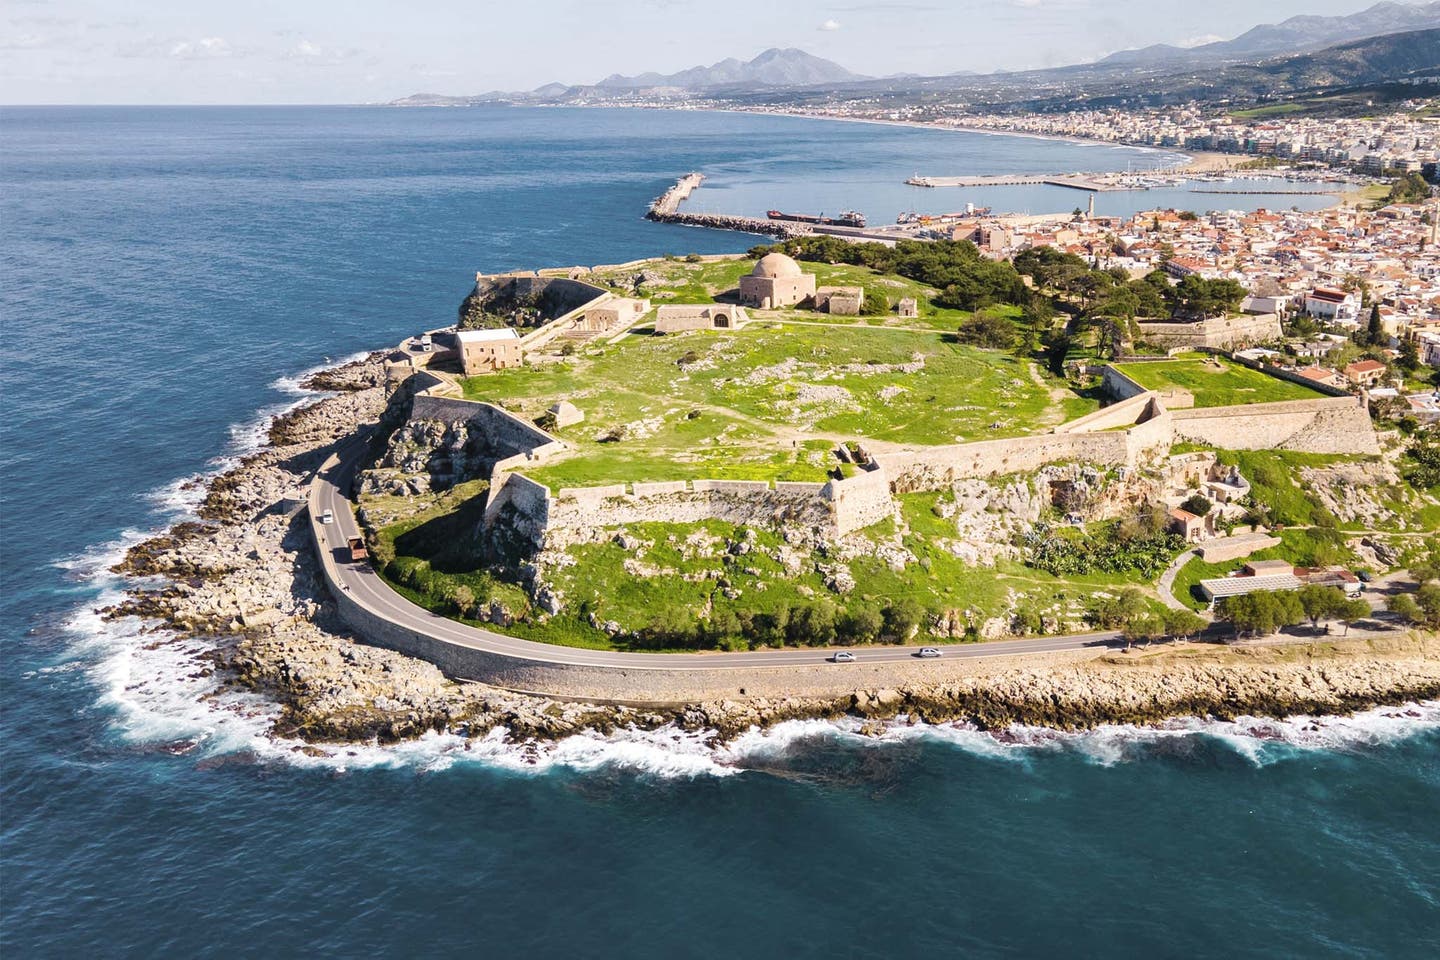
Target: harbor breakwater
666,209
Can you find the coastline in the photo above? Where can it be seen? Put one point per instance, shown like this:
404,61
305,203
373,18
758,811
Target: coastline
243,579
1198,161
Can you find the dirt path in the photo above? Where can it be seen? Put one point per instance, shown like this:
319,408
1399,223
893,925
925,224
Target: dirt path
1054,414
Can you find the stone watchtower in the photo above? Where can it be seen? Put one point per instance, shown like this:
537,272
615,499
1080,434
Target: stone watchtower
776,281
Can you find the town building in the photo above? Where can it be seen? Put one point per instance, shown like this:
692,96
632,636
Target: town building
1365,373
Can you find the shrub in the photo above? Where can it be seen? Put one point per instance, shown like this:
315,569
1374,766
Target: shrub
989,328
1197,504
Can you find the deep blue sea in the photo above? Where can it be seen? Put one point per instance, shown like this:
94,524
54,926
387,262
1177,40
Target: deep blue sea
165,275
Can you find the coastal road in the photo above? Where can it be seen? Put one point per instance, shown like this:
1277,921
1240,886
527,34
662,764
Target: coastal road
364,585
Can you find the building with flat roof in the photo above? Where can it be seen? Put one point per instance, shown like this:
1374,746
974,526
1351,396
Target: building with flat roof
485,351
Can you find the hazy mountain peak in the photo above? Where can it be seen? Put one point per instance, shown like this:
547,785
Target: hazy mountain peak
1298,34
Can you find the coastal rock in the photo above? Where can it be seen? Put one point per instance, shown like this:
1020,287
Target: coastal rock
247,580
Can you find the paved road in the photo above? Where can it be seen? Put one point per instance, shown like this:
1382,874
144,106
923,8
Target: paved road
361,582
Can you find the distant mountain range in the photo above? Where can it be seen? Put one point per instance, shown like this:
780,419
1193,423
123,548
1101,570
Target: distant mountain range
1301,34
1265,61
772,70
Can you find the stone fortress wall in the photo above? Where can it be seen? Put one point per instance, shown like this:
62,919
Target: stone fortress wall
1125,433
1240,330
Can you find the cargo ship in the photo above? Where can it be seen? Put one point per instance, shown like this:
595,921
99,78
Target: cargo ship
847,218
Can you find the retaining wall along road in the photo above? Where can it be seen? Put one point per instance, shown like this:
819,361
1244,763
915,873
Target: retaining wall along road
632,678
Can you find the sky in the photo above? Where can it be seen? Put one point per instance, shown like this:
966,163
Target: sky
364,51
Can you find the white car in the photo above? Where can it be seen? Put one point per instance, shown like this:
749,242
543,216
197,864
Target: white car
843,656
328,516
928,652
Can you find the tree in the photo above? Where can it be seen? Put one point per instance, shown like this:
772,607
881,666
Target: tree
875,305
1197,504
1350,611
1262,612
1403,605
1375,335
1145,628
1409,359
901,619
988,328
1411,188
1320,602
1428,599
1204,297
1121,610
861,625
1183,624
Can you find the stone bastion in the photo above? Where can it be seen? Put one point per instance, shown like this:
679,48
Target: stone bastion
1125,433
1136,428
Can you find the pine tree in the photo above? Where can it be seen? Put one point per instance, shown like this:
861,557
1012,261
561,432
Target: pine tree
1375,333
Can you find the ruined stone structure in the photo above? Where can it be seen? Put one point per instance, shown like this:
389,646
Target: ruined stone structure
840,301
776,281
679,317
608,316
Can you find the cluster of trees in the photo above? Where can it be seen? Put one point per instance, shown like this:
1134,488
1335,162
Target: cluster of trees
1422,469
1265,611
1130,613
965,279
1421,607
1140,546
1411,188
821,623
1112,293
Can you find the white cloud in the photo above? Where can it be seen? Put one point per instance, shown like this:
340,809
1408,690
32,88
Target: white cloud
830,25
1028,4
1200,40
307,49
205,48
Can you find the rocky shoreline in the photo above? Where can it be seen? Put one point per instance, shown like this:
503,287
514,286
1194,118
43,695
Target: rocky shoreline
244,577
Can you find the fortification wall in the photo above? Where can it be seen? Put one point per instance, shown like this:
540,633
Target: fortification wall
1327,425
1118,385
753,502
506,431
861,500
1127,412
1217,332
937,468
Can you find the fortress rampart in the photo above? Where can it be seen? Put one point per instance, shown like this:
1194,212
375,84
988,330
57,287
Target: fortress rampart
1239,330
1327,425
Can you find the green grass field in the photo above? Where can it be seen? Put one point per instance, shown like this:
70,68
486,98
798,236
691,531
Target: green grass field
685,282
769,401
1225,385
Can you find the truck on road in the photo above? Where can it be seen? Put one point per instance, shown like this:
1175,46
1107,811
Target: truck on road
357,549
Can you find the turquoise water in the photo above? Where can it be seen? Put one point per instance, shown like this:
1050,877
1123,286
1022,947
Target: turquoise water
167,274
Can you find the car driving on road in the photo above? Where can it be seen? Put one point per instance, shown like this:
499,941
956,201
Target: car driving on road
928,652
843,656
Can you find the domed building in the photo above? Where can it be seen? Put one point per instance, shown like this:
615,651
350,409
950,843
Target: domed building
776,281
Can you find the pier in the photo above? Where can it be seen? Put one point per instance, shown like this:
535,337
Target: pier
666,209
1076,181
